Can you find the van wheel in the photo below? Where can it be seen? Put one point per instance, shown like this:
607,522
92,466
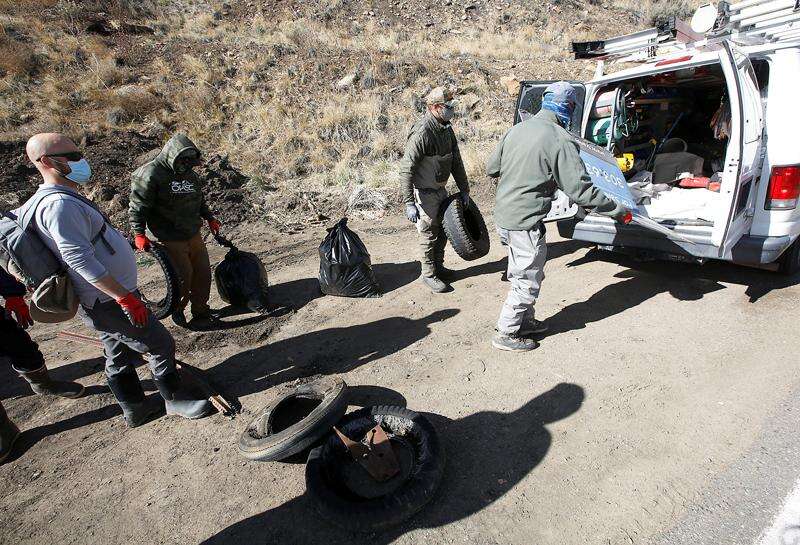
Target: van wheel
789,262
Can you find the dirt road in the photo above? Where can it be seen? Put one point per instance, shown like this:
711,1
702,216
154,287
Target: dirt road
655,381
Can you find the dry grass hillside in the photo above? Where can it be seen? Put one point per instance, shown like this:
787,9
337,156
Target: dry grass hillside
310,100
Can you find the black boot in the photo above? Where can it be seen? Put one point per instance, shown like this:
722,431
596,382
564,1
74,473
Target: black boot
8,434
178,401
42,384
136,410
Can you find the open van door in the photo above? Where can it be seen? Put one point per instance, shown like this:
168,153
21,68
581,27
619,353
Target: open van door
743,159
529,102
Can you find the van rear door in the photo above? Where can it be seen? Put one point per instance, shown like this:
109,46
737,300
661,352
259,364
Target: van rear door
529,102
743,159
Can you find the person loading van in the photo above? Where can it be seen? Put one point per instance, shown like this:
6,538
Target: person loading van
167,199
534,159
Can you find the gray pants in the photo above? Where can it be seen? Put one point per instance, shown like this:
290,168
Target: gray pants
527,253
429,225
124,344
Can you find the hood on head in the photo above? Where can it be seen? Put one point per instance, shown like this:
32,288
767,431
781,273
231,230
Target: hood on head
174,147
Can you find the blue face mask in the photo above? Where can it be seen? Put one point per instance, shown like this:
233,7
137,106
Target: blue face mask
563,110
80,172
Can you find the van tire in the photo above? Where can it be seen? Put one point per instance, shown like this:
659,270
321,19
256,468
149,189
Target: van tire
337,503
465,228
789,262
259,442
169,304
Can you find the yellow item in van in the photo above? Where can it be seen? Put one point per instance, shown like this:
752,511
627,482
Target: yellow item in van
625,162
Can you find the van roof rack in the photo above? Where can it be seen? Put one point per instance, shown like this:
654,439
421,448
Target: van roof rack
748,22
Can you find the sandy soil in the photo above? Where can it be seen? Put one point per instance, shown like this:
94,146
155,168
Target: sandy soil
655,377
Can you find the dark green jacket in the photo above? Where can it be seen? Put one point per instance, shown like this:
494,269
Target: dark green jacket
431,155
170,205
533,159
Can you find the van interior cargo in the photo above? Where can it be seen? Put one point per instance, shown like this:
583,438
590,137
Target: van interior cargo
670,135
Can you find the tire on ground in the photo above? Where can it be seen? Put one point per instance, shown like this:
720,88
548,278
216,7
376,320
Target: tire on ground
166,306
340,505
261,441
465,229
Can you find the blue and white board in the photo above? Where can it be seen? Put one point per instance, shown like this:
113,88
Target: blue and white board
605,173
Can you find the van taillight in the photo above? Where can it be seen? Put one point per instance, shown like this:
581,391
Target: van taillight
784,188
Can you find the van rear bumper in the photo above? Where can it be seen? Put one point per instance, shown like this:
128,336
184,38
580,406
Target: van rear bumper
749,249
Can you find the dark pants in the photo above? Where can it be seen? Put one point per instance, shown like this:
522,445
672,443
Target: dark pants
124,344
17,346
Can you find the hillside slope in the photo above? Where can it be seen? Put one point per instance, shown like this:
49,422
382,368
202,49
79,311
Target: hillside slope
308,100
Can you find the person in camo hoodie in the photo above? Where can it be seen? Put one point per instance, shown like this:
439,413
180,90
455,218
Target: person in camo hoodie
167,201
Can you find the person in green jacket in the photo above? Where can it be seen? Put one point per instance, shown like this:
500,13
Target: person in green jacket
431,156
167,200
534,159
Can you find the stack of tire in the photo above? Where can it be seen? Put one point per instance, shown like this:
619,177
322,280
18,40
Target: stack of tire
338,486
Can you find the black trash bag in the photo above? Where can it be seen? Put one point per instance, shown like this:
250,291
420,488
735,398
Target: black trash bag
241,279
344,265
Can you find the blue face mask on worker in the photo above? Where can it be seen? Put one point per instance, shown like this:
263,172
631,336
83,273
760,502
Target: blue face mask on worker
562,109
79,170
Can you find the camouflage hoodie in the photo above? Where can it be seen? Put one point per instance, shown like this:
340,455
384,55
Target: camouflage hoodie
170,205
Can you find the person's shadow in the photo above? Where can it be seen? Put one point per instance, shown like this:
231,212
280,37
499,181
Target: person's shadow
488,454
328,351
635,288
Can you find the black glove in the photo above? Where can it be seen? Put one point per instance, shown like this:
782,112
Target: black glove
412,213
465,199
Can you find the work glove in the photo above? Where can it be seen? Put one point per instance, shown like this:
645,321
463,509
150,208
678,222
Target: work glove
214,225
141,242
625,218
412,213
134,309
465,199
18,310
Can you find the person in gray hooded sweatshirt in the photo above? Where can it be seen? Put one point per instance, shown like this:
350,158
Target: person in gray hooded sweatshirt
534,159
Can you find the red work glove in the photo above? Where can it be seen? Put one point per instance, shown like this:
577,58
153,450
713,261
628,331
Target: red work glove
17,307
141,242
627,218
134,308
214,225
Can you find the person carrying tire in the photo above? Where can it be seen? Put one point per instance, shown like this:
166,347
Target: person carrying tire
431,156
534,159
101,266
167,200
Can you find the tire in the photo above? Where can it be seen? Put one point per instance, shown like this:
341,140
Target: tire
465,229
166,306
328,462
789,262
258,440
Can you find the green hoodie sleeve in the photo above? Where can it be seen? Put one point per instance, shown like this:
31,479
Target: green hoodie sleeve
413,154
142,200
493,164
457,169
570,174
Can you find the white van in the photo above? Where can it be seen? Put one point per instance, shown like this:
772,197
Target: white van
712,122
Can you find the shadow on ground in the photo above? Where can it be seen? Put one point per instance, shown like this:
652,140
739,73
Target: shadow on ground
328,351
479,472
758,282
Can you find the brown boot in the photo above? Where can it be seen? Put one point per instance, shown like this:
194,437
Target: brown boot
8,434
42,384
